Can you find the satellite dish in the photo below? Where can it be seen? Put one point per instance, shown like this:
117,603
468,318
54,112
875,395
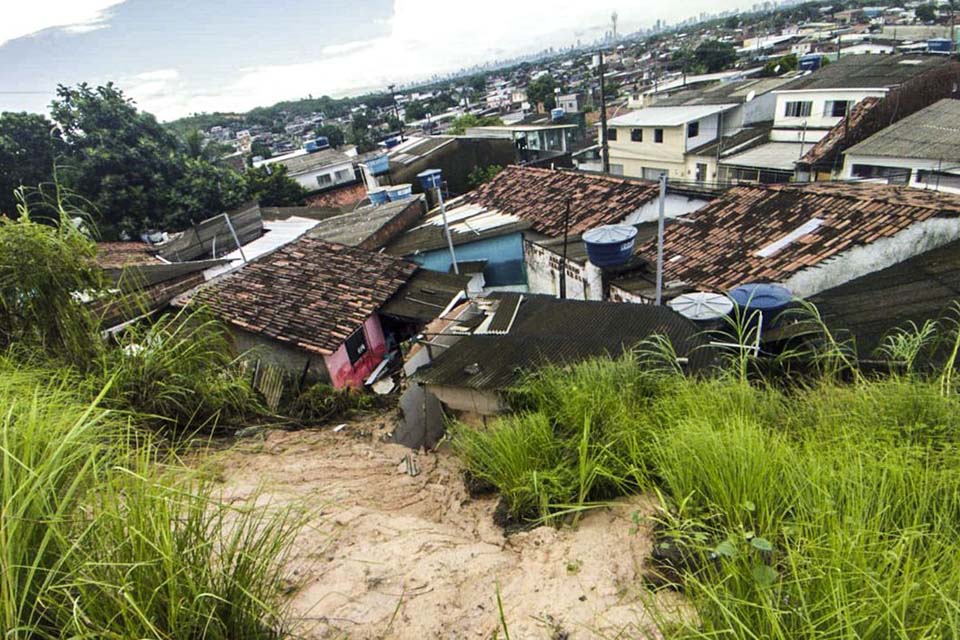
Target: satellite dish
751,95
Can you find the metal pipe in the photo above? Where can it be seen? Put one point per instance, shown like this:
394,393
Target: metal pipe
446,230
235,238
663,197
604,146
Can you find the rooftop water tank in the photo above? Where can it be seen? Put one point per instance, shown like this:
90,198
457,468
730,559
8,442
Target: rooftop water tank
378,195
557,114
940,45
810,62
610,245
400,191
430,179
378,165
322,142
769,299
702,306
311,146
391,142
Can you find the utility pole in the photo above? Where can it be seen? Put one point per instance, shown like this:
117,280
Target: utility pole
663,198
396,108
563,261
604,147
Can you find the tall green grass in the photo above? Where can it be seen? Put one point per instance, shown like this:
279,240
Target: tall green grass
97,541
828,508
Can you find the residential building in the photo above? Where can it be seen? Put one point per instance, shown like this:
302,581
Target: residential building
571,102
815,105
314,308
808,237
922,150
318,170
491,222
655,140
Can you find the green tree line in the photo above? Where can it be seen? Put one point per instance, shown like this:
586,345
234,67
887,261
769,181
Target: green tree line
132,171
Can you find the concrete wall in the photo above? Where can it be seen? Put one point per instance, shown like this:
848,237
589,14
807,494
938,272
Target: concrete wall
584,281
457,160
913,164
344,374
310,181
273,352
819,98
410,214
635,156
504,256
709,128
485,403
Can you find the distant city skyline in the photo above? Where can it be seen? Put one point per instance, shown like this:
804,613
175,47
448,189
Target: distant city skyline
177,57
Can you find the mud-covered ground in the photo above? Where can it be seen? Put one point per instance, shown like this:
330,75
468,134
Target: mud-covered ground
390,555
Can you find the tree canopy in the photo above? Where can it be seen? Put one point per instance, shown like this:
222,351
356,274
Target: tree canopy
714,55
29,145
459,125
542,90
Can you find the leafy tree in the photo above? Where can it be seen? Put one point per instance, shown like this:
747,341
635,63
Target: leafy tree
202,191
478,83
121,160
333,134
394,123
780,66
542,90
272,187
459,125
714,55
731,22
29,145
926,13
415,110
360,132
259,148
196,146
478,175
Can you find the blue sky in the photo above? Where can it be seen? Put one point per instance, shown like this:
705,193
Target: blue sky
176,57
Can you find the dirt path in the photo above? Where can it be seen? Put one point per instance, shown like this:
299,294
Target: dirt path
395,556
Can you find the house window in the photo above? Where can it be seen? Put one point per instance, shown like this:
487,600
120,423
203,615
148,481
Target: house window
798,109
325,179
636,135
836,108
356,345
893,175
611,134
658,135
693,129
341,175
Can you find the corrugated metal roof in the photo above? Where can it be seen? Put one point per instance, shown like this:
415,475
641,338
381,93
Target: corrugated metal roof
772,155
932,133
547,330
867,71
668,116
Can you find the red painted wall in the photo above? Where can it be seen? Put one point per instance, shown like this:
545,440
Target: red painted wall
344,374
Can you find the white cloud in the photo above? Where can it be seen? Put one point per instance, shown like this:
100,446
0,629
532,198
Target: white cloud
424,37
76,16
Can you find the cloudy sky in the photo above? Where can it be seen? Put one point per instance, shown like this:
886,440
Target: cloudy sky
177,57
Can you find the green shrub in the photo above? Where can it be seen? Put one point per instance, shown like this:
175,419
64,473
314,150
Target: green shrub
321,402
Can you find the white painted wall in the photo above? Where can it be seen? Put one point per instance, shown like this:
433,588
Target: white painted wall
584,282
310,180
914,164
709,128
885,252
819,98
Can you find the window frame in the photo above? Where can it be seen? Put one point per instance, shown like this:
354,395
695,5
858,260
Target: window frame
658,136
356,352
327,182
803,108
636,135
693,129
611,133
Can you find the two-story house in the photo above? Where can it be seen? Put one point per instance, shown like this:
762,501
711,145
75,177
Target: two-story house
815,103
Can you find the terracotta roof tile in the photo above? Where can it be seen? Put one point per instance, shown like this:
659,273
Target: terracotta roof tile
539,197
309,293
116,255
719,243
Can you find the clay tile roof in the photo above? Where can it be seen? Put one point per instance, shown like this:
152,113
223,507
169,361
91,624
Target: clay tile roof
117,255
539,195
310,293
836,139
717,247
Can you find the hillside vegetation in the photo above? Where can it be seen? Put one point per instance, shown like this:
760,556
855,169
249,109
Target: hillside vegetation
826,509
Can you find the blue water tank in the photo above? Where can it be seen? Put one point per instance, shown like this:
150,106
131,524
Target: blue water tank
311,146
940,45
557,114
378,165
378,195
400,191
610,245
322,142
811,62
430,179
769,299
391,142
